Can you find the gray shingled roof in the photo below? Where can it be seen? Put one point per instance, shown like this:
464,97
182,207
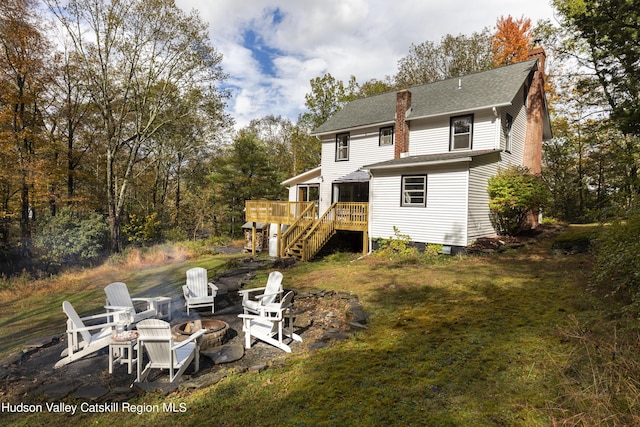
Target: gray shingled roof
427,159
491,88
355,176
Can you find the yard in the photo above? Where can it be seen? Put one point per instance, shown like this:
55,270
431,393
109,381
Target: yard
514,338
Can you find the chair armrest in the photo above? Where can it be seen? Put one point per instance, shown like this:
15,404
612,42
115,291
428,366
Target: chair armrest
186,291
93,327
249,316
247,291
193,337
268,295
118,308
273,311
212,286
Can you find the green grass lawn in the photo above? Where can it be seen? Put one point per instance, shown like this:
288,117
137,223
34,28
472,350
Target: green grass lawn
509,339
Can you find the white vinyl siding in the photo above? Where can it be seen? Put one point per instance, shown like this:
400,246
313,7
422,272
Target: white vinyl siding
481,169
364,149
443,220
456,211
518,131
432,135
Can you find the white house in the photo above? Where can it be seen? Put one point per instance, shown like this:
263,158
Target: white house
420,158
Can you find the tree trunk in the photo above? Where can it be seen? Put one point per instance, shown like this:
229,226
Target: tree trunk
114,220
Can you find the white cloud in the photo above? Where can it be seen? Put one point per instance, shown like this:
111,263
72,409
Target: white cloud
343,37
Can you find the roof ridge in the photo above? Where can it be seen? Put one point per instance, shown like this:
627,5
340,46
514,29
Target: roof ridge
396,90
469,74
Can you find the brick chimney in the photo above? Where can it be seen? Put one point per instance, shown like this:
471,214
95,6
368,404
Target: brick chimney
535,114
403,104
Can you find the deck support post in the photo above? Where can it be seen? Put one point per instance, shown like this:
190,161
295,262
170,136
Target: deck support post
253,238
365,242
279,242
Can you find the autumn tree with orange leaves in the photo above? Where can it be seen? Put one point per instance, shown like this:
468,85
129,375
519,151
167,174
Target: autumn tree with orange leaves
23,79
511,41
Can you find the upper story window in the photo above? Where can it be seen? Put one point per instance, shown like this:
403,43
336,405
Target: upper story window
461,132
508,124
386,136
342,146
414,191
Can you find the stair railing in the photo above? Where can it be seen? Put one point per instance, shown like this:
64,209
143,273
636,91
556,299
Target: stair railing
298,229
323,229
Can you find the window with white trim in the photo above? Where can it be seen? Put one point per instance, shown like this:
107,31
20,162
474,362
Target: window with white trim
309,193
461,132
386,136
508,124
342,147
414,190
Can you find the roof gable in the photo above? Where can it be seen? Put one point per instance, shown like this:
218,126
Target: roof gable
486,89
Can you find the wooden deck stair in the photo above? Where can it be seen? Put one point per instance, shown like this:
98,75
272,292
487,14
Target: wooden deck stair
306,235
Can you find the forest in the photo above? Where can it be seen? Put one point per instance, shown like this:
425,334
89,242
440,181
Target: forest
114,132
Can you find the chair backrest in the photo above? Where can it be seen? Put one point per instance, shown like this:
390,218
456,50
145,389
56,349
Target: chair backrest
274,286
157,339
197,281
118,295
75,321
287,300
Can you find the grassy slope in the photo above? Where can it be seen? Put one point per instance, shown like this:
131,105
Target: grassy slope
471,341
33,309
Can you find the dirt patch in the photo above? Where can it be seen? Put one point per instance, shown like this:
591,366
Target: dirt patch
488,245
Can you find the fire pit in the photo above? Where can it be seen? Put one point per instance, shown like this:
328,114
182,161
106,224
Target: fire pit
216,331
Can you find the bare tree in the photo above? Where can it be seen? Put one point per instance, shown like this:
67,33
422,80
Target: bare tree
136,57
453,56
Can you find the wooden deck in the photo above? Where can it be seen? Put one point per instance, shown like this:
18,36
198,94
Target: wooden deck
349,216
308,230
270,212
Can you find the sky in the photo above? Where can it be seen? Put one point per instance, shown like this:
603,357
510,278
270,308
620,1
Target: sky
273,48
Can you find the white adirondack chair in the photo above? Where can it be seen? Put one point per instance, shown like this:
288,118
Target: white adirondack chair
83,339
269,323
118,299
199,292
256,298
154,337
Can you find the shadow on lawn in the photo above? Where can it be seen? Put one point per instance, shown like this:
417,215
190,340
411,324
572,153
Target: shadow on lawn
470,342
475,342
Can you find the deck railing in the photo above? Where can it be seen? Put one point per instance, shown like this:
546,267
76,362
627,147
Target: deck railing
352,216
306,233
274,212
